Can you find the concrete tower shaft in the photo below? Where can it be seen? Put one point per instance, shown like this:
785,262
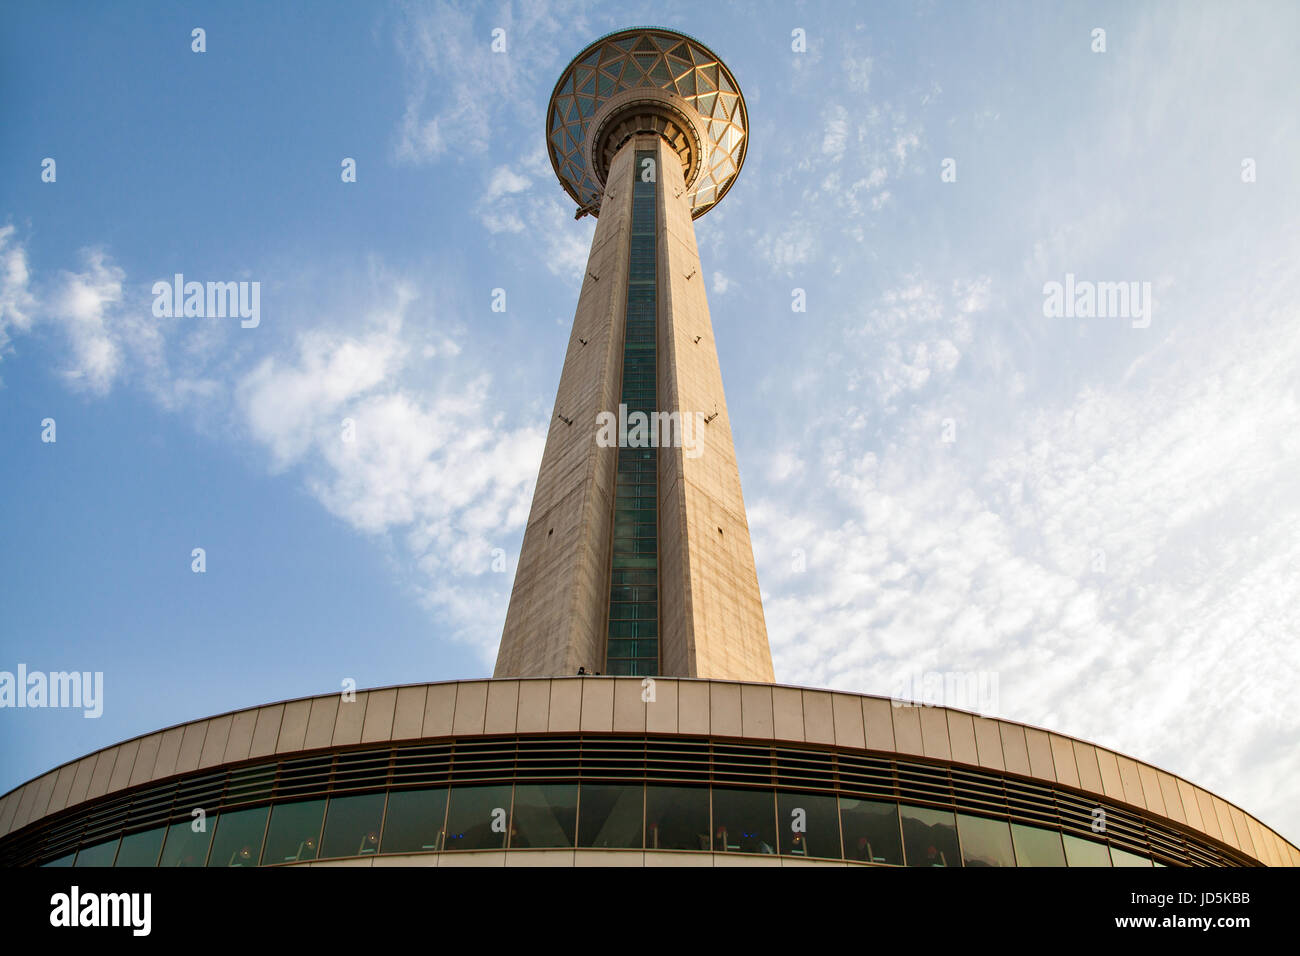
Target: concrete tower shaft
702,615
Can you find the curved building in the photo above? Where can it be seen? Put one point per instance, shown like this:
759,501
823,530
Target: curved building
636,564
585,771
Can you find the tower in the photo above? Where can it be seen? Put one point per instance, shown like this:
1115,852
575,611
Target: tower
636,559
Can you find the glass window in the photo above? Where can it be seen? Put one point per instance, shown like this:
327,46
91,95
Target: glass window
1118,857
929,836
985,842
743,821
676,818
1081,852
238,837
809,825
871,831
1036,846
294,833
477,818
141,848
101,854
610,815
65,860
414,823
545,815
186,847
352,825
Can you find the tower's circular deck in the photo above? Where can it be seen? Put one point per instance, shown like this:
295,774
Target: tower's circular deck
641,80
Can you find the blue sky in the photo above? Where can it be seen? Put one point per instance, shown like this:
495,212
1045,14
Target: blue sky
1103,515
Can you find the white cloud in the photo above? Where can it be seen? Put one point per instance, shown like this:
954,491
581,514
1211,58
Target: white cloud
498,209
837,132
435,468
904,144
503,182
510,205
432,465
720,283
457,86
451,72
292,404
783,465
974,294
86,306
857,71
107,337
17,303
792,246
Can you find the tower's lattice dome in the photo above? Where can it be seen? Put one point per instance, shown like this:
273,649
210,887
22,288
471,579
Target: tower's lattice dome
643,80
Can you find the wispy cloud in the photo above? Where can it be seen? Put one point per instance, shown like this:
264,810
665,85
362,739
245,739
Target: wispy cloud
521,204
1117,559
438,469
837,132
459,86
17,303
339,406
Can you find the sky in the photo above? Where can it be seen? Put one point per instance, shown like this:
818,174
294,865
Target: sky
1097,513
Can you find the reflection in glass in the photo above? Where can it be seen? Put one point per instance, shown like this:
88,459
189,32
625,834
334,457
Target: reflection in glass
478,817
238,838
1081,852
929,836
610,815
101,854
985,842
546,815
743,821
676,818
185,847
871,831
1036,846
352,825
809,824
414,823
1118,856
141,848
294,834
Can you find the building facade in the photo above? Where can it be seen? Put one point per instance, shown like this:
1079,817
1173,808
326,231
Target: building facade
586,771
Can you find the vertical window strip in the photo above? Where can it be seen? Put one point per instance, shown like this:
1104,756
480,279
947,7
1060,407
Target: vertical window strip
632,630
